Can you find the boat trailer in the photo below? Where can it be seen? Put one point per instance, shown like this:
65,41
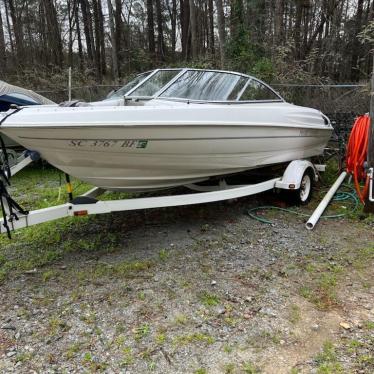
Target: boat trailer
88,203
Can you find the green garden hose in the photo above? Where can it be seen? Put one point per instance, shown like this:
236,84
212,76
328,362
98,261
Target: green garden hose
340,196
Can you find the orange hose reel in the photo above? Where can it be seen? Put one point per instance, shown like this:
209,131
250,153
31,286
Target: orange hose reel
357,155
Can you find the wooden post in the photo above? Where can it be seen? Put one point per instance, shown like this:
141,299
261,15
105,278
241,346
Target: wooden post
369,206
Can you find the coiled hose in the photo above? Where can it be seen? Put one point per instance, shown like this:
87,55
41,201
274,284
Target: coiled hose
357,154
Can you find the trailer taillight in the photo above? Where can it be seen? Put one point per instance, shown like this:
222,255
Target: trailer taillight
81,213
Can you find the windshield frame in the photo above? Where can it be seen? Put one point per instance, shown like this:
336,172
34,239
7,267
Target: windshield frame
182,71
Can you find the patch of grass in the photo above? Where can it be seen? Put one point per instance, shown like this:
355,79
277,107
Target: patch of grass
363,257
49,274
119,341
229,368
369,325
89,318
294,314
141,295
250,368
24,356
183,340
141,331
44,244
180,319
354,345
56,324
93,364
87,357
128,357
366,359
73,350
209,300
163,255
231,321
228,348
201,371
327,360
125,269
320,285
160,338
264,339
152,366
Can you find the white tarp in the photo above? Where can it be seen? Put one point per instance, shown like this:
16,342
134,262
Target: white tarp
8,89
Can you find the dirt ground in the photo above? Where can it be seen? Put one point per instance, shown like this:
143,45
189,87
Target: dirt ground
203,289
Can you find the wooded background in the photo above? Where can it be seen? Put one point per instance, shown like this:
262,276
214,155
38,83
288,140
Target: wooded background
305,41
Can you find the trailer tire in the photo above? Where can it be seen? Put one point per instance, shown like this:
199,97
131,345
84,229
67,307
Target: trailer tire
303,195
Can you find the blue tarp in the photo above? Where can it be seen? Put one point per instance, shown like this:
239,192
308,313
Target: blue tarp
7,100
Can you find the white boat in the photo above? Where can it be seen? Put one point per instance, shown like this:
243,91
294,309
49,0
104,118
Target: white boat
171,127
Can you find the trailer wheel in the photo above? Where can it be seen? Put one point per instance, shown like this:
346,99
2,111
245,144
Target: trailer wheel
303,195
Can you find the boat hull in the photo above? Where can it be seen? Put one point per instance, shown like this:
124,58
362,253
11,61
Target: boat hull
140,154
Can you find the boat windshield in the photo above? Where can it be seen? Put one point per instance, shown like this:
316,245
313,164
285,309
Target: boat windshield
194,84
206,85
128,86
155,82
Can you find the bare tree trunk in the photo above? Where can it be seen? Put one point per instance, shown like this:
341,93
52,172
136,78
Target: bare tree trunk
2,46
79,37
278,22
54,34
297,29
160,32
211,26
17,28
355,65
193,28
221,30
119,32
9,27
70,41
185,27
173,19
113,40
102,38
98,36
151,29
87,26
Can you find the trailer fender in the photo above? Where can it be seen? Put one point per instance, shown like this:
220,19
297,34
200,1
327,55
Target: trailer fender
293,174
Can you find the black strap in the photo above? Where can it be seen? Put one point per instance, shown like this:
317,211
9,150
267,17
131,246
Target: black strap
10,114
5,174
5,171
13,206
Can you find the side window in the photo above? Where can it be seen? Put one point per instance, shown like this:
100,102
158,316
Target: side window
257,91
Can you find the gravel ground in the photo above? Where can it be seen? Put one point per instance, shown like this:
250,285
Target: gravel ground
201,289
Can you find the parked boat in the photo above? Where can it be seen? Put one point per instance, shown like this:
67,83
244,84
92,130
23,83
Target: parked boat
172,127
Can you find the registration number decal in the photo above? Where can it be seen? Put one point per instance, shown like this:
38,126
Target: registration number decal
108,143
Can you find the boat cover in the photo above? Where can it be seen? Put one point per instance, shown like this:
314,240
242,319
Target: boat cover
10,94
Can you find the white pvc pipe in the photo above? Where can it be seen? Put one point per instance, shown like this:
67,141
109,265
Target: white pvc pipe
325,202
